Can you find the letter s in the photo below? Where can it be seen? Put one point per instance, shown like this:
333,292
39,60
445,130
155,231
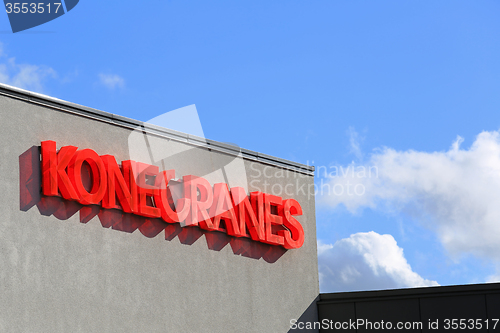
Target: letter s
294,236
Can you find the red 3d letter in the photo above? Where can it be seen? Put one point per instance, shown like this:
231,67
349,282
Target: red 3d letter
272,219
142,188
246,215
99,178
117,187
54,174
294,236
199,207
222,208
161,200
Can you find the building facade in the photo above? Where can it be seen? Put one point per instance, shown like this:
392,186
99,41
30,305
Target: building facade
72,263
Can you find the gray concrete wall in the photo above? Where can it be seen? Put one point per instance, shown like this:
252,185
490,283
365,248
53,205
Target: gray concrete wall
58,274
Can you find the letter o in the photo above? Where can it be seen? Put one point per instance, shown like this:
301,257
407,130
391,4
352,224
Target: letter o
341,188
99,177
356,189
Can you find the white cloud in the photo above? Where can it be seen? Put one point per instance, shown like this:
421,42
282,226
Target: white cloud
454,192
111,81
323,248
493,278
366,261
25,76
355,143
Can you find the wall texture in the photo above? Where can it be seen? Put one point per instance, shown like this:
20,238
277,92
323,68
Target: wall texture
60,272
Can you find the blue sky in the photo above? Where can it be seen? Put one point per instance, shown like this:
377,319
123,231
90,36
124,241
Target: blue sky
389,84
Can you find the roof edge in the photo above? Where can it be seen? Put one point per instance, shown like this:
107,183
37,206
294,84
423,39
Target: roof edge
117,120
433,291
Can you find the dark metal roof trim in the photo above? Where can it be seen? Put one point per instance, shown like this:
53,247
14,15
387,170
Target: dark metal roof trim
437,291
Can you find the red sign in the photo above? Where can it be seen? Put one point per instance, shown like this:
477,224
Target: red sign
143,190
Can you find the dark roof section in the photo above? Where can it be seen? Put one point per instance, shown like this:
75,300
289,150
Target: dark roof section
113,119
357,296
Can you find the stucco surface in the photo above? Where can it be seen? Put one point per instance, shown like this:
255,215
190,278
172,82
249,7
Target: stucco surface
61,275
